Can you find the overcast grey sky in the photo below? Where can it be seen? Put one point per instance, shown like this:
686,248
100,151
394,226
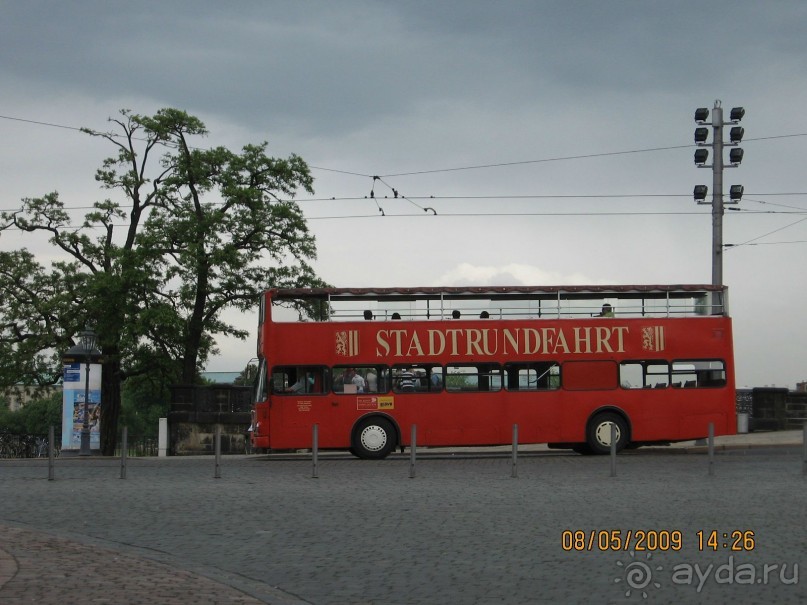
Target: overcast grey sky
360,88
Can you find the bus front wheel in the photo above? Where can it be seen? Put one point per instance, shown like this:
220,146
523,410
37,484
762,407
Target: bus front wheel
373,439
598,435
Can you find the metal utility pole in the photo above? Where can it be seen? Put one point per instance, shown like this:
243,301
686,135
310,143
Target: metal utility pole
717,196
717,166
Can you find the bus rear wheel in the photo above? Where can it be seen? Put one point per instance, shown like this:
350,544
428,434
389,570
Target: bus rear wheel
373,439
598,433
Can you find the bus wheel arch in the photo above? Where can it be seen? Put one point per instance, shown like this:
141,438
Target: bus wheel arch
374,437
598,430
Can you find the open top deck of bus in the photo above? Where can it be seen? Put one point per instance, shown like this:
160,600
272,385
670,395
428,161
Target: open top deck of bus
508,302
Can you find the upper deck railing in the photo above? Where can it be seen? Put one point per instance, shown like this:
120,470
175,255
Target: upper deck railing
514,302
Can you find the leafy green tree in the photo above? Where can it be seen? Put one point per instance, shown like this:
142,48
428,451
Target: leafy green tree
247,375
225,227
35,320
145,399
192,232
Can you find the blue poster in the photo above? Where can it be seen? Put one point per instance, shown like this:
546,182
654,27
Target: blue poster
73,408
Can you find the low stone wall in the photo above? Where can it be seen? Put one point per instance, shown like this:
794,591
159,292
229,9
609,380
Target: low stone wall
197,410
774,409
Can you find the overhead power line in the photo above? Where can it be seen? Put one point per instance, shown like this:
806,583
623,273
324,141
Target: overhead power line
515,198
459,168
751,241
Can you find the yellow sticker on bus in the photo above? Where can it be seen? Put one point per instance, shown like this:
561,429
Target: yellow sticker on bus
375,403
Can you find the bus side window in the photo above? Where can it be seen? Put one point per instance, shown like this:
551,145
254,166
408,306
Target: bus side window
644,374
478,377
360,379
296,380
699,373
537,376
435,378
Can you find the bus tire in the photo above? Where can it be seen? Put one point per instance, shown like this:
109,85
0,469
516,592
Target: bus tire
598,433
373,438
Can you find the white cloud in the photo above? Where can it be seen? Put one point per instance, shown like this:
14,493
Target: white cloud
512,274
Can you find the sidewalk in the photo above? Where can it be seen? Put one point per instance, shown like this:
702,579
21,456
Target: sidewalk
763,439
760,439
36,567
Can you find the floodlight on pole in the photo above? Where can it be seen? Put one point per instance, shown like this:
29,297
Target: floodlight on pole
701,155
736,134
736,156
736,114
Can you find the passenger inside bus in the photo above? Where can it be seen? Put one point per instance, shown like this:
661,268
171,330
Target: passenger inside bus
406,380
352,379
299,386
607,311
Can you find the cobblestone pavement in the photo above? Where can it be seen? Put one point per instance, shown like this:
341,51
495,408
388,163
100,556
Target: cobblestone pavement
463,531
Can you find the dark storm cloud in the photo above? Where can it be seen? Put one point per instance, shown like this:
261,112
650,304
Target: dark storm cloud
325,67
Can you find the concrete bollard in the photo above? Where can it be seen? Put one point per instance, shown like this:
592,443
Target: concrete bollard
162,438
742,423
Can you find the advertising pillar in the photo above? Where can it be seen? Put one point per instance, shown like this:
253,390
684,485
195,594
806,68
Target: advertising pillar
76,390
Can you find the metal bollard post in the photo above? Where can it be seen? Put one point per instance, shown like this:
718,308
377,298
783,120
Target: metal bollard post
124,451
217,475
613,449
315,452
52,453
711,442
804,445
412,452
514,470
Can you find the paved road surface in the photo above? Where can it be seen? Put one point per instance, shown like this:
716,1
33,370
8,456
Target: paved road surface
462,532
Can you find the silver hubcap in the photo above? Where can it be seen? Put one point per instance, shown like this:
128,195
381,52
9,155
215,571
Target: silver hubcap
603,433
373,438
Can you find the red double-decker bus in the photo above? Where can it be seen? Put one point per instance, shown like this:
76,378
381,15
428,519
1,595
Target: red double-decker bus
466,364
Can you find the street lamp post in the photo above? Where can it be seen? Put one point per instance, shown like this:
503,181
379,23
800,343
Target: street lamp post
88,339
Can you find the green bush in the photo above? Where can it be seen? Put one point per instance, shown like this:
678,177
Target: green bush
35,418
